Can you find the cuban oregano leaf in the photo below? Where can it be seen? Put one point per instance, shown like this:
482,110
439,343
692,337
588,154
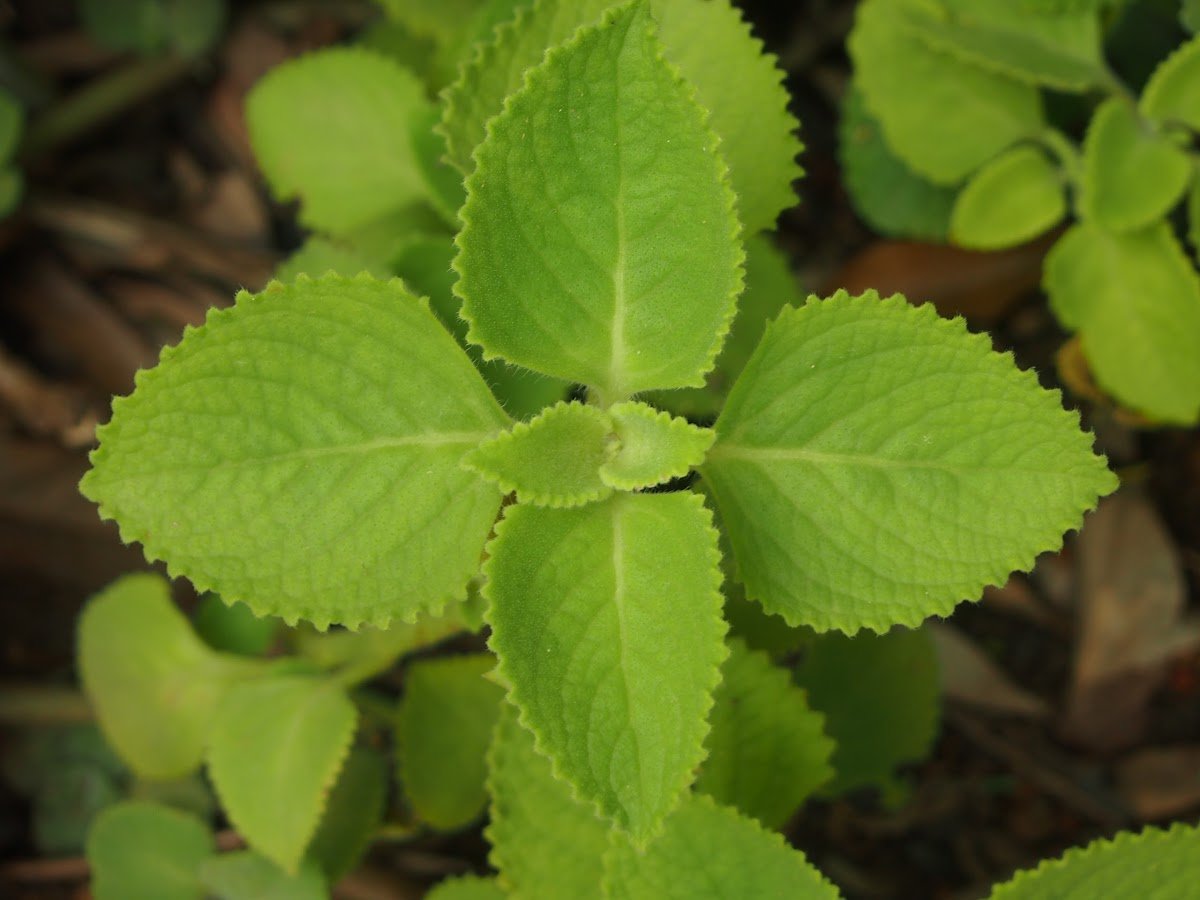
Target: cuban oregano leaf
1151,865
438,19
1173,92
1013,198
1131,175
909,87
553,460
652,447
352,813
233,627
546,844
468,887
300,452
601,247
274,752
709,852
319,255
1193,214
143,851
767,749
245,875
862,455
333,128
607,622
443,730
1134,298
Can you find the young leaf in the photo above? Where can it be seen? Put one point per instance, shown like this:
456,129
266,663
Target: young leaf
333,128
1012,199
467,887
618,265
141,851
274,752
652,447
607,622
1131,176
352,813
910,88
245,875
1153,863
709,852
443,729
152,682
1173,92
880,698
860,458
767,749
546,844
554,460
1134,298
312,433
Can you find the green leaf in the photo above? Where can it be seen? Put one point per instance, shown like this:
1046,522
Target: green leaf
1134,298
467,887
153,684
1193,213
1131,176
12,120
334,129
351,816
1189,15
1173,92
601,247
767,749
445,183
1153,863
606,619
880,697
554,460
317,463
1013,198
363,654
653,447
439,19
274,752
140,851
65,805
862,457
910,88
149,26
233,627
443,729
546,844
319,255
709,852
245,875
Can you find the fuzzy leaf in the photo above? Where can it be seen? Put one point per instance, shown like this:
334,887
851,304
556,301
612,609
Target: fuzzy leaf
554,460
1012,199
709,852
274,752
152,682
909,87
546,844
245,875
142,851
653,447
333,128
1131,176
767,749
601,247
861,460
1134,298
352,813
443,730
1152,864
1173,92
606,619
467,887
300,453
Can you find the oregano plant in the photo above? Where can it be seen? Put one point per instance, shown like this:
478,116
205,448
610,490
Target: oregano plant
504,428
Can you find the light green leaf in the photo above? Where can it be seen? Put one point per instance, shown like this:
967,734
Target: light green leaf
910,88
319,255
445,183
333,128
351,816
233,627
862,456
653,447
1134,298
709,852
275,750
1151,864
1131,176
767,749
439,19
1013,198
141,851
363,654
554,460
880,697
467,887
12,120
618,264
606,619
443,730
152,682
1173,92
245,875
312,433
